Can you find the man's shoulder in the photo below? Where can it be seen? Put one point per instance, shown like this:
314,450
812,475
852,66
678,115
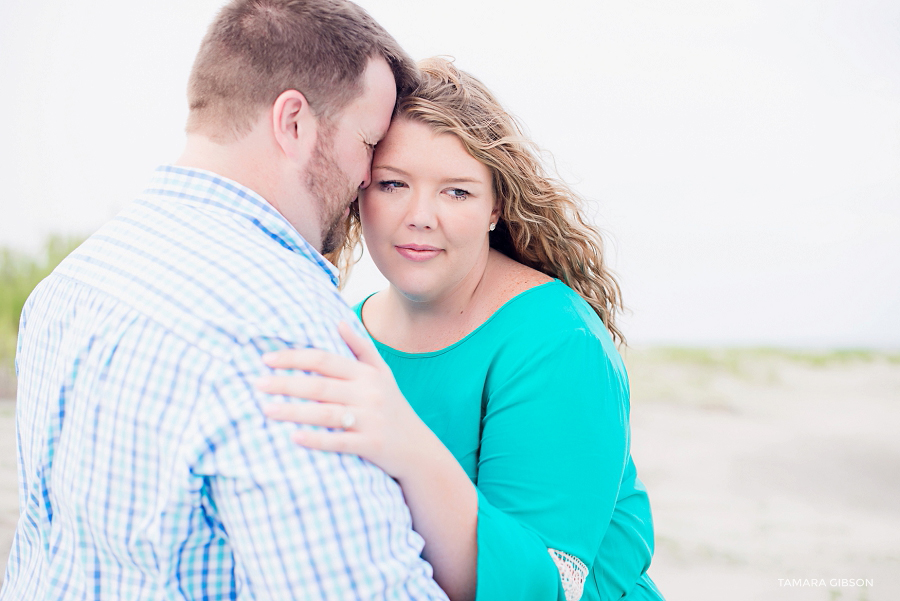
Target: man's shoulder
204,273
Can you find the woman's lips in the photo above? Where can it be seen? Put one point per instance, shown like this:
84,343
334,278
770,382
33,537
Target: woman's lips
417,252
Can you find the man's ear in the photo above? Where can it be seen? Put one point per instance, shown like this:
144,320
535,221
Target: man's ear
294,125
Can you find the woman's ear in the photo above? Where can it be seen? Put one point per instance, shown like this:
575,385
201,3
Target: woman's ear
294,125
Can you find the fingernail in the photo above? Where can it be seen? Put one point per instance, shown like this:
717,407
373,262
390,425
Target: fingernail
263,382
269,357
271,409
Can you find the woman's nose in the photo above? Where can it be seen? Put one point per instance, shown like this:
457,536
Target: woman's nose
421,212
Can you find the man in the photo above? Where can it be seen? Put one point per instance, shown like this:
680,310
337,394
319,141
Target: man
147,469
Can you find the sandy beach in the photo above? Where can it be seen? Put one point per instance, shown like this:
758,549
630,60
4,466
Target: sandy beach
773,475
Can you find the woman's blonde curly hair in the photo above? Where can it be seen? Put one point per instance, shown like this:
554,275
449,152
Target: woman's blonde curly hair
541,221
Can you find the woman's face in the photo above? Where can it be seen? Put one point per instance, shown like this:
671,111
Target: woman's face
427,212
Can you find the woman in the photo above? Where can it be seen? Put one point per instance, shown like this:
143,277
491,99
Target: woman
499,327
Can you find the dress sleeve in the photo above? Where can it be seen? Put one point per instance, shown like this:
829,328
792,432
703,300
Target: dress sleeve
554,448
627,547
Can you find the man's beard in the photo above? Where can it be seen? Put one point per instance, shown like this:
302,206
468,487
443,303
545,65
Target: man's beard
330,188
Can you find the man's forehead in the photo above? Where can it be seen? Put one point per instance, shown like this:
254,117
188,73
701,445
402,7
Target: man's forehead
375,105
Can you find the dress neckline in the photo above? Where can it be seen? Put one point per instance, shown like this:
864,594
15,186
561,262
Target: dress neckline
462,340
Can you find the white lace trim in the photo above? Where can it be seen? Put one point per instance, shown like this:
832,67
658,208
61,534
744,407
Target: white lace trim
572,573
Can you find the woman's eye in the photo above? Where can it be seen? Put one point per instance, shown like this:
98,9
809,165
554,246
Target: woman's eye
458,193
389,185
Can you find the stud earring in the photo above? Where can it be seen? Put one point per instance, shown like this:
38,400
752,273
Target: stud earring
493,225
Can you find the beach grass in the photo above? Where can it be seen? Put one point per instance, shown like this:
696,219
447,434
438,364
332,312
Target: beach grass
708,377
735,360
19,274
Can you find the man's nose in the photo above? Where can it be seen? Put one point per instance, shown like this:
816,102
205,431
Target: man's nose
367,176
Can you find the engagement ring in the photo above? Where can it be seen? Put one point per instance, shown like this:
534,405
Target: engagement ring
348,420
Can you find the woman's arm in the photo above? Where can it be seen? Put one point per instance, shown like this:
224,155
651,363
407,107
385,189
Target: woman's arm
444,507
554,448
369,417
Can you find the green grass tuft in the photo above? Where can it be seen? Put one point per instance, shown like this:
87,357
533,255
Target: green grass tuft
19,274
730,359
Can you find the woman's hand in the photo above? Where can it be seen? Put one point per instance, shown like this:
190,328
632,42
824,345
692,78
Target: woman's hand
358,399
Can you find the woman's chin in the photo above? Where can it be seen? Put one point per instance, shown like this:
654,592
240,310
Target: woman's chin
417,294
416,288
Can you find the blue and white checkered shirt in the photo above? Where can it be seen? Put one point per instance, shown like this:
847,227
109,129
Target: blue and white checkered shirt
146,467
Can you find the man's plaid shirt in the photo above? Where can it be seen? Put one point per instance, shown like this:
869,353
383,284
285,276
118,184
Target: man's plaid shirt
146,467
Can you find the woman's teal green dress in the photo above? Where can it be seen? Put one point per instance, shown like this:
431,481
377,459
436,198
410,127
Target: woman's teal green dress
534,404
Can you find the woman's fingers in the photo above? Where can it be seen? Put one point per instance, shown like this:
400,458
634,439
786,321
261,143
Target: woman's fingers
312,360
323,440
363,348
360,405
326,363
327,415
341,439
327,390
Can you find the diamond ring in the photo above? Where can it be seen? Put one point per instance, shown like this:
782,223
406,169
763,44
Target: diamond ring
348,419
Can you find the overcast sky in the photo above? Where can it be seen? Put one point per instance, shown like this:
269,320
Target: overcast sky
743,156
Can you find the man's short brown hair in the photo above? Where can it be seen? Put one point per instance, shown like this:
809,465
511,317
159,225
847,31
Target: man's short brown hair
257,49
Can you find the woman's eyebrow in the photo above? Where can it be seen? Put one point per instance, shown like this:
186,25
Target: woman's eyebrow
389,168
448,180
461,180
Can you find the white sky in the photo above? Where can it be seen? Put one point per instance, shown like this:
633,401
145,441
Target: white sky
744,155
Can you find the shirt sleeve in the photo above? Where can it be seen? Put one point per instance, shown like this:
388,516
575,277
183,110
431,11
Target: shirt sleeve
303,524
554,449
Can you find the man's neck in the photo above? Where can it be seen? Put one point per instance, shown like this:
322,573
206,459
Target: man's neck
253,163
235,161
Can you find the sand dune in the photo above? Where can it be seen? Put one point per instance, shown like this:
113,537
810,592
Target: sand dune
773,475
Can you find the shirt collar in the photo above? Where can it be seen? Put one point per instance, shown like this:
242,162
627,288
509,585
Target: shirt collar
207,188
